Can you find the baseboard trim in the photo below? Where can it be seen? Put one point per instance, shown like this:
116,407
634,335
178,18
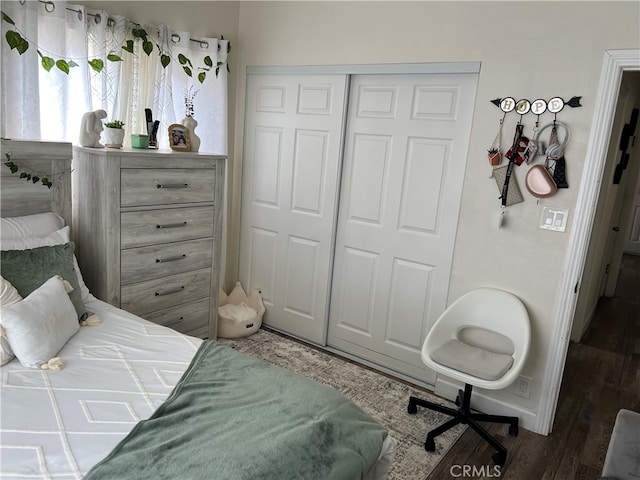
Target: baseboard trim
483,403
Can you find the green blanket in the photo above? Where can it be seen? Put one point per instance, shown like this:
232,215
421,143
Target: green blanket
232,416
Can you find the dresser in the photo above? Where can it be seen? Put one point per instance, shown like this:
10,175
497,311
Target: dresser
147,226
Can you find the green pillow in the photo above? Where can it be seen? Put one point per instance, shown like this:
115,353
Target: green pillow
27,270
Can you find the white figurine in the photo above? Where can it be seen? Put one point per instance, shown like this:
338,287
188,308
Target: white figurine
90,129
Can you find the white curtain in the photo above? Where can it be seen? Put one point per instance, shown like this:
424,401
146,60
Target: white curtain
20,97
106,33
210,101
45,105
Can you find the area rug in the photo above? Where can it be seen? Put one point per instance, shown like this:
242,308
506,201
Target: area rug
382,397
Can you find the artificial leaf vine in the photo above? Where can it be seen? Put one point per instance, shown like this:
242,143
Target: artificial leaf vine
27,174
16,41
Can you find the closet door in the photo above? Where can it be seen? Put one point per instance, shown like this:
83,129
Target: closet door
405,155
293,135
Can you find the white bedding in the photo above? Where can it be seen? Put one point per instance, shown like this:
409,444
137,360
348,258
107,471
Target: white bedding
115,374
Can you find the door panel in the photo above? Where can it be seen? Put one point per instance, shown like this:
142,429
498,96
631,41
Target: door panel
405,154
293,138
405,150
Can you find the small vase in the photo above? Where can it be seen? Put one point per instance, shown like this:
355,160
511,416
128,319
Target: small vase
194,141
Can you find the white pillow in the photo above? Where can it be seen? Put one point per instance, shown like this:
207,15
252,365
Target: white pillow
58,237
8,296
40,325
38,225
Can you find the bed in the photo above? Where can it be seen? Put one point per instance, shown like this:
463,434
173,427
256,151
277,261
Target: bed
126,398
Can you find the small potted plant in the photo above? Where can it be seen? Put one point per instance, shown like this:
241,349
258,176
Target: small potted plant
495,157
113,134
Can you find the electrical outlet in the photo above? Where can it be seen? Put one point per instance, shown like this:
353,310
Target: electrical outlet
522,386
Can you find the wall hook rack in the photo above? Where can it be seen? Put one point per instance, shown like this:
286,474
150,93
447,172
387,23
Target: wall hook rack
537,107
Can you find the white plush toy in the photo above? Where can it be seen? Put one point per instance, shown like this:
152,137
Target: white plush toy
91,127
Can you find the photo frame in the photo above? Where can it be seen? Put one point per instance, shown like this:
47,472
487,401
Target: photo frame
179,138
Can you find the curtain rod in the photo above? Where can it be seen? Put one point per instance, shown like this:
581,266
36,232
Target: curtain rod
49,6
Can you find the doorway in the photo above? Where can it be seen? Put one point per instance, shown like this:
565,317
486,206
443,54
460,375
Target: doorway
612,222
615,64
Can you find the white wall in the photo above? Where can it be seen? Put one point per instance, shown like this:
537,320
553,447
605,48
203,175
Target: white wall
528,50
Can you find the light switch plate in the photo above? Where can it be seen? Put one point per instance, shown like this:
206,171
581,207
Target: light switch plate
554,219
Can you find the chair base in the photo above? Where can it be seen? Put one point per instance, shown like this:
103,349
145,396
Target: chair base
465,416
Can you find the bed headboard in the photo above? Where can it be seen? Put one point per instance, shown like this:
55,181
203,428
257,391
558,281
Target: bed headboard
45,159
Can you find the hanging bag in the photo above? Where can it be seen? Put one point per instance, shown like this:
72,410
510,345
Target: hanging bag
560,173
513,193
495,157
539,182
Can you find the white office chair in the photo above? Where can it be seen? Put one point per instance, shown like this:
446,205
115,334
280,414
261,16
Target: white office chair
482,339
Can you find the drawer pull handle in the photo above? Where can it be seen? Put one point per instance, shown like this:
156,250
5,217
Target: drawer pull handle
171,259
172,225
172,185
169,292
173,322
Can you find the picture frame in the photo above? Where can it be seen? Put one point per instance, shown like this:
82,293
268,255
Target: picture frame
179,138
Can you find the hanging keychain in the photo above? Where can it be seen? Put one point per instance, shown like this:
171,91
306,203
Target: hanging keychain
512,155
503,209
555,152
532,146
507,105
538,107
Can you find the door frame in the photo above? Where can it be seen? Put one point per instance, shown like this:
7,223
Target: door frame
365,69
615,63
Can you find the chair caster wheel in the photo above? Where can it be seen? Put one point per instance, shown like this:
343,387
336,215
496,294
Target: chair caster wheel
513,430
459,398
412,408
499,458
430,445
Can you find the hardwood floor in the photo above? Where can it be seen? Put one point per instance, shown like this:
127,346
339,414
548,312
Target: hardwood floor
602,375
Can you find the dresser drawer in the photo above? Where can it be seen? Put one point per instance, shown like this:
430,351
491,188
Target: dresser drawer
160,293
150,227
155,261
149,186
185,317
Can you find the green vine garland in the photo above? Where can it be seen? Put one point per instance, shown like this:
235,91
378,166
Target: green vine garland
26,173
16,40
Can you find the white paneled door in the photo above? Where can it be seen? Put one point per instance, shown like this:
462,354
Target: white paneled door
368,275
405,155
292,150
